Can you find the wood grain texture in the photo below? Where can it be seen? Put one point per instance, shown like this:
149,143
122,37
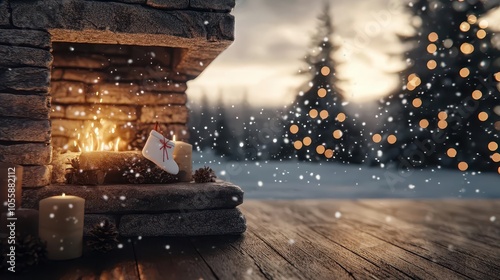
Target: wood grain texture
316,239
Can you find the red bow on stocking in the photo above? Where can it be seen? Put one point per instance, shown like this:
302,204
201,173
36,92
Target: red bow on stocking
164,146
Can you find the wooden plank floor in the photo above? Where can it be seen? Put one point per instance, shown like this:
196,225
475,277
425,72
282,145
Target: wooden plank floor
315,239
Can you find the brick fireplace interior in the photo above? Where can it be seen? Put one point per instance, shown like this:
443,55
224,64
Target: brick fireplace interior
68,67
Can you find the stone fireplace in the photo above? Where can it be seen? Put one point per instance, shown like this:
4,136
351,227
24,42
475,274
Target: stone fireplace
70,67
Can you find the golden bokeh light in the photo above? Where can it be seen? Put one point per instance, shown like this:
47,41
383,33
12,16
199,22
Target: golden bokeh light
483,24
472,19
294,128
432,37
313,113
417,102
497,76
467,48
376,138
341,117
307,141
325,70
442,115
297,145
492,146
329,153
431,64
451,152
423,123
320,149
391,139
464,72
464,26
495,157
337,134
477,94
462,166
442,124
413,81
482,116
431,48
321,92
481,34
323,114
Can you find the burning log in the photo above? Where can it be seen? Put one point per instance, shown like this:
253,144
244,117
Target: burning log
119,168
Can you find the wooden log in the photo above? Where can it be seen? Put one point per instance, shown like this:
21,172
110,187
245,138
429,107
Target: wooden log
125,168
107,160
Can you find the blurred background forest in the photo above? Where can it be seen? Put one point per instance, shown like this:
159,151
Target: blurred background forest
443,109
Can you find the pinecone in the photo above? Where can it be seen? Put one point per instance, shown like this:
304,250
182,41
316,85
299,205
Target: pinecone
103,237
204,175
30,251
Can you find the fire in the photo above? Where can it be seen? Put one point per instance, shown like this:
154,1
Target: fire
97,136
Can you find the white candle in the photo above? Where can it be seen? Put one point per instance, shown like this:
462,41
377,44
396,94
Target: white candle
183,157
61,226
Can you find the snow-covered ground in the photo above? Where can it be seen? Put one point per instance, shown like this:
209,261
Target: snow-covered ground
298,180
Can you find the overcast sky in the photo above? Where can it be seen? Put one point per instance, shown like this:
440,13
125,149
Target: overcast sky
272,36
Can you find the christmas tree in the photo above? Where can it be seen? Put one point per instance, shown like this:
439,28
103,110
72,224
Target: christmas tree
319,126
444,114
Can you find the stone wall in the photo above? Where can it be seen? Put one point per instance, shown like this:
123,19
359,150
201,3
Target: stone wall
132,87
198,30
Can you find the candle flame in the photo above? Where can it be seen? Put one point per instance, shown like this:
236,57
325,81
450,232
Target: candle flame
63,194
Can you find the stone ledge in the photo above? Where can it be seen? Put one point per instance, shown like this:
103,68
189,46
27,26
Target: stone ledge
189,223
122,199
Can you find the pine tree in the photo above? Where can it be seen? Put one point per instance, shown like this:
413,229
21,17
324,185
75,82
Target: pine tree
446,86
318,124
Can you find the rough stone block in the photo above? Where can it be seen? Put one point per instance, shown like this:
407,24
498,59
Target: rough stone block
14,56
4,13
81,75
92,219
69,60
27,154
34,80
112,112
68,92
163,86
25,106
66,128
111,16
168,4
23,37
12,129
36,176
219,5
146,198
141,74
164,114
188,223
115,96
57,111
